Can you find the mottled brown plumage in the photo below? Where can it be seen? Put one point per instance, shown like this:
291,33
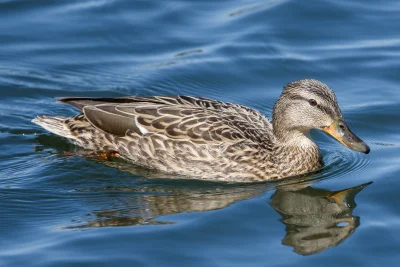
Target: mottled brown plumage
204,138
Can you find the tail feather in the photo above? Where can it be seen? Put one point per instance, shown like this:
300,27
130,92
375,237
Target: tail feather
55,125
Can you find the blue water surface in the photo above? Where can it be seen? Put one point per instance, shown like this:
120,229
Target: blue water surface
59,208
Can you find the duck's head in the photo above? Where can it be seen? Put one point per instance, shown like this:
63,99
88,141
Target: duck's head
309,104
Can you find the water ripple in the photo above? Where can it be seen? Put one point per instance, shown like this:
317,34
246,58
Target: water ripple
237,51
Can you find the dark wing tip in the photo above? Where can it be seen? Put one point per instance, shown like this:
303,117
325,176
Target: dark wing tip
77,102
81,102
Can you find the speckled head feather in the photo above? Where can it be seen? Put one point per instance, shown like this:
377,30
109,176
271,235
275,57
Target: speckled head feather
293,112
320,90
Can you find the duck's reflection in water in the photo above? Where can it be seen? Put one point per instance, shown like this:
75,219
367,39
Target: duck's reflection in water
315,219
146,205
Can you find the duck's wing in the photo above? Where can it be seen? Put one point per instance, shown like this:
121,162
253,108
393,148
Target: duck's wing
199,120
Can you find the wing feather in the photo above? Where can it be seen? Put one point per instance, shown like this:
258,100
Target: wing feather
109,121
199,120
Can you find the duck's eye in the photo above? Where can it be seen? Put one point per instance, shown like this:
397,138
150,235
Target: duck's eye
312,102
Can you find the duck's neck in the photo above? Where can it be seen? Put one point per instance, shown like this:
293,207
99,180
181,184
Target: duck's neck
302,154
295,139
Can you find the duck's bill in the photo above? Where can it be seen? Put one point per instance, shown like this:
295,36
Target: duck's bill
346,196
341,132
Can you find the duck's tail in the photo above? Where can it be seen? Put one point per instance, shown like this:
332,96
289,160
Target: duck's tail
55,125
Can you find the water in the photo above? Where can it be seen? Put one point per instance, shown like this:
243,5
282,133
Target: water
59,208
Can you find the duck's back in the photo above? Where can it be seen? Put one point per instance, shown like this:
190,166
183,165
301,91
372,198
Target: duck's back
194,137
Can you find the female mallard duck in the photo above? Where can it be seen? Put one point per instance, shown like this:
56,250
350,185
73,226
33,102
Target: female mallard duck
208,139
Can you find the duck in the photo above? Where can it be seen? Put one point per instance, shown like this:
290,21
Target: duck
202,138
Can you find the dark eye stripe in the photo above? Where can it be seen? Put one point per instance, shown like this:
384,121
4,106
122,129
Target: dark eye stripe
327,110
324,109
